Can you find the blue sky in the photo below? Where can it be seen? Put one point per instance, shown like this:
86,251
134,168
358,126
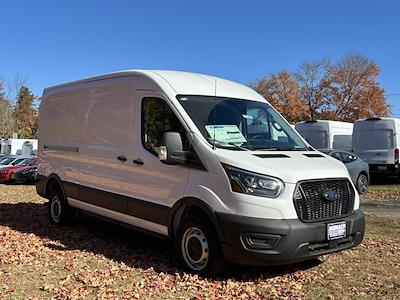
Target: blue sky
50,42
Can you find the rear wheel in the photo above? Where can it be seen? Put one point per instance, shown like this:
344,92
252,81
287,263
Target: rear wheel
197,247
362,183
60,213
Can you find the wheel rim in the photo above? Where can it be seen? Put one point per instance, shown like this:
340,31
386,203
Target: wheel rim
195,248
55,209
362,184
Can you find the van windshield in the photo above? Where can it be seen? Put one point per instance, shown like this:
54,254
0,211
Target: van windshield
239,124
372,139
317,138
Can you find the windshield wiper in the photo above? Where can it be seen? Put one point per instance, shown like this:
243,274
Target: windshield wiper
222,143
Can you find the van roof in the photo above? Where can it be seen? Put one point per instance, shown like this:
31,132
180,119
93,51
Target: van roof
377,122
377,119
181,83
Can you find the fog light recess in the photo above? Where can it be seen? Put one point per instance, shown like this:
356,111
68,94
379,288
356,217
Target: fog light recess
260,241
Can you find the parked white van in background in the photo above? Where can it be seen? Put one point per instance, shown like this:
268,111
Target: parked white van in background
18,146
202,160
377,141
322,134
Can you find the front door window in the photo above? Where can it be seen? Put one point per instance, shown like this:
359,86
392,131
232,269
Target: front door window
157,118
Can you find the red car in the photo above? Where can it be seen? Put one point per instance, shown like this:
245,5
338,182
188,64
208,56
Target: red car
5,173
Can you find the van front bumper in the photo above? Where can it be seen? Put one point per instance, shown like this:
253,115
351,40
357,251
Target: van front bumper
257,241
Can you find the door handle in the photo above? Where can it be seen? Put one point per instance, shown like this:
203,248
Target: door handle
138,161
122,158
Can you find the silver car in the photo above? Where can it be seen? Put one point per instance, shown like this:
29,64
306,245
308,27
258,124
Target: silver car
358,169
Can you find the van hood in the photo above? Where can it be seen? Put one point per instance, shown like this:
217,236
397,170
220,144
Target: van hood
289,166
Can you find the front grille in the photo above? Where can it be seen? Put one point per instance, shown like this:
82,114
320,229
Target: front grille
311,206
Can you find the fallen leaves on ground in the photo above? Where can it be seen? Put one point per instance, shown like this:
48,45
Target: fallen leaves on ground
381,195
94,259
384,189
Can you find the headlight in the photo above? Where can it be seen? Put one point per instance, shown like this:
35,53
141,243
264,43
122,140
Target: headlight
247,182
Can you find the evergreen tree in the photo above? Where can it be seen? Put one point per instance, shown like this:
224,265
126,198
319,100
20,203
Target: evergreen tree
25,115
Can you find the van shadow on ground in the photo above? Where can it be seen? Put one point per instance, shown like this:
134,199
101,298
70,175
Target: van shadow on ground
116,242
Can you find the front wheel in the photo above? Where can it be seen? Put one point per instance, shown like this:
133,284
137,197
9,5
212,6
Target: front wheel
198,249
362,183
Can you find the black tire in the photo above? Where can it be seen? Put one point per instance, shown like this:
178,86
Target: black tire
197,247
60,213
362,183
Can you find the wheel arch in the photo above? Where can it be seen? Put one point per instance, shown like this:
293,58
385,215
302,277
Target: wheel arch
365,173
51,181
187,206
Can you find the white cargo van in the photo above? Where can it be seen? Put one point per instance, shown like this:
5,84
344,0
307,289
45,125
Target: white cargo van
377,141
202,160
18,146
323,134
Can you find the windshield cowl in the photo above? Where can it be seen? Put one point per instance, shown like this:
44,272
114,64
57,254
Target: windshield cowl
244,148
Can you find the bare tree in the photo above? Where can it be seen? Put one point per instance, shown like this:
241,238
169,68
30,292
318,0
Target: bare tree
313,79
6,113
13,87
6,120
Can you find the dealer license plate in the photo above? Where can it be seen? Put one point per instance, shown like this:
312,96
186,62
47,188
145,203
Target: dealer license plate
336,230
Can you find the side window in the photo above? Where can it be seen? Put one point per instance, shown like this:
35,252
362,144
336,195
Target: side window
278,134
337,155
262,125
157,118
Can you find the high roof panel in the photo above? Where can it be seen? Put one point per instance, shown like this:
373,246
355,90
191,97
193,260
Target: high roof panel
183,83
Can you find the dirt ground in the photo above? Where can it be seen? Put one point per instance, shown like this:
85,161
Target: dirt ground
97,260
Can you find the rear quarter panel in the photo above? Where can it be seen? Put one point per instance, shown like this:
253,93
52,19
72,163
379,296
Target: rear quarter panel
59,133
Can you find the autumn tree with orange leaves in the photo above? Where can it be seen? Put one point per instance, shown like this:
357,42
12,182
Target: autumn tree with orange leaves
345,91
282,91
354,93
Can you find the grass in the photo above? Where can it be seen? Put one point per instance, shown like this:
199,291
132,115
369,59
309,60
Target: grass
384,188
368,271
93,259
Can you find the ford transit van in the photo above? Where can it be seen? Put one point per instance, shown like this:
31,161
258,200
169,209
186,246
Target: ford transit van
326,134
377,141
204,161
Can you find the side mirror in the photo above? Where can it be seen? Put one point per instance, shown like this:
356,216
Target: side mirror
171,149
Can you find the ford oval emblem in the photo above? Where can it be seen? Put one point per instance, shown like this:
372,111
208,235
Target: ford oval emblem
331,195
